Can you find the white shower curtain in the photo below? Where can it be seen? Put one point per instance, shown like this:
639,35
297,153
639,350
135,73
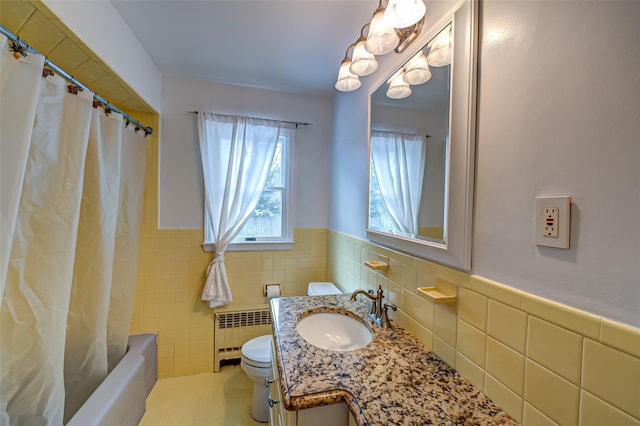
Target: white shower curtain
85,359
36,300
63,264
398,160
20,84
125,262
236,153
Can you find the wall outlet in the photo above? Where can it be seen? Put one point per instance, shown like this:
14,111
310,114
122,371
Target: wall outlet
552,220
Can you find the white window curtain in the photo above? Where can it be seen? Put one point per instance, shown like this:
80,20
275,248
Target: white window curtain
237,153
399,160
77,222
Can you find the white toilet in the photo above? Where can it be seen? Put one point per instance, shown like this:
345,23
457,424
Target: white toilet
256,363
322,289
256,359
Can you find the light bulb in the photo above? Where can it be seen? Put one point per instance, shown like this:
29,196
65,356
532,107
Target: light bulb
347,81
440,49
398,88
382,39
363,62
404,13
417,70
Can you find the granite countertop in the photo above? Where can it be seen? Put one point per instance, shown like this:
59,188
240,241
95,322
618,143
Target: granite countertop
394,380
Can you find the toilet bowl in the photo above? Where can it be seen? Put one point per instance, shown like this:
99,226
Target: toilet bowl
256,363
256,359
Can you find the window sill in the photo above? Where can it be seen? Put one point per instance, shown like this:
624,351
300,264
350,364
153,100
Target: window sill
253,246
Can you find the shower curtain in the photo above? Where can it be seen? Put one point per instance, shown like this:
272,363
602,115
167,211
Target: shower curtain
72,250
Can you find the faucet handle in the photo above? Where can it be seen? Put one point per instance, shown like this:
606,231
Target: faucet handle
385,321
374,302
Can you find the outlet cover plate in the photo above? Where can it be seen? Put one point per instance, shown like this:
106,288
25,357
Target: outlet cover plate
563,225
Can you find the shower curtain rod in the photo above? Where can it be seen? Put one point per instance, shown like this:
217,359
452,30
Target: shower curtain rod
297,123
48,63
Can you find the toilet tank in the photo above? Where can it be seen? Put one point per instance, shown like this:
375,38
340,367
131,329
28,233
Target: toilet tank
322,289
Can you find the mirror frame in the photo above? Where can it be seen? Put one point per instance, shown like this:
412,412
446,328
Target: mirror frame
460,171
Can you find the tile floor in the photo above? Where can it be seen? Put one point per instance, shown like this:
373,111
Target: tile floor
212,399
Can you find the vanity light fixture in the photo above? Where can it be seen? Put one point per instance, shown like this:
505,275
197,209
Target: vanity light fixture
382,37
398,88
440,49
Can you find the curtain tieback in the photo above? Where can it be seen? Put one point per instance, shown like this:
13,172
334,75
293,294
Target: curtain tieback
219,258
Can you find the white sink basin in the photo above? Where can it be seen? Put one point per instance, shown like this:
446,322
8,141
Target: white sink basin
334,331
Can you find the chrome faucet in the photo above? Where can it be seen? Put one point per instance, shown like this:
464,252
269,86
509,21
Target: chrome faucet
378,310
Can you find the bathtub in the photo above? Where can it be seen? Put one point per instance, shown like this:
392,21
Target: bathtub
120,398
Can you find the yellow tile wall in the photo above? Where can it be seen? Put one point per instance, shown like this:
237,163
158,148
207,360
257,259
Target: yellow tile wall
171,276
544,362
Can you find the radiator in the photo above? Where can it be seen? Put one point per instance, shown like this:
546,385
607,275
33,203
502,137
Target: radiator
233,328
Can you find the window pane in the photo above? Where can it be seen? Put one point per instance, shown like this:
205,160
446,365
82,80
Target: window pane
379,217
275,174
266,220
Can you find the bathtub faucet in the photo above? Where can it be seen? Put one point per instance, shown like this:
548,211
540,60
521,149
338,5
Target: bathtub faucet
378,310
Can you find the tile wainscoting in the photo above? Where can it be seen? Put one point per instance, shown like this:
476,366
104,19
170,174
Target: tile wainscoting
543,362
173,267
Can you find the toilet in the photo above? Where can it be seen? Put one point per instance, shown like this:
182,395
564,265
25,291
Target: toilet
256,363
322,289
256,359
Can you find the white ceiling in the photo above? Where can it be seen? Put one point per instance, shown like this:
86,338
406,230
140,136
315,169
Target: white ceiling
294,45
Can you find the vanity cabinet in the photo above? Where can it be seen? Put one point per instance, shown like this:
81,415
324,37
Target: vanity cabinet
334,414
278,416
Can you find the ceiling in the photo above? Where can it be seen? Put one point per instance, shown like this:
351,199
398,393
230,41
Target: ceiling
293,45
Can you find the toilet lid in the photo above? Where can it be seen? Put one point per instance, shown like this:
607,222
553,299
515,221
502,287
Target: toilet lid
258,349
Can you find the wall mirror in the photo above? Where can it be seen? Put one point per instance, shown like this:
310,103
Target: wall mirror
422,145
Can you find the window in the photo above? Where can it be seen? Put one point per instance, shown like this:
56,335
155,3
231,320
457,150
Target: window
379,217
269,227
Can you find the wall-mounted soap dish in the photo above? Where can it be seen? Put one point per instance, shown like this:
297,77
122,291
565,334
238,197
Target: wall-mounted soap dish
436,295
377,265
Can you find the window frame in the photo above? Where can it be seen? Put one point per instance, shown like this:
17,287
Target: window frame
286,240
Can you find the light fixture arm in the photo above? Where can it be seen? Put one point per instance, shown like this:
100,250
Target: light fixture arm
346,53
408,35
362,36
380,7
